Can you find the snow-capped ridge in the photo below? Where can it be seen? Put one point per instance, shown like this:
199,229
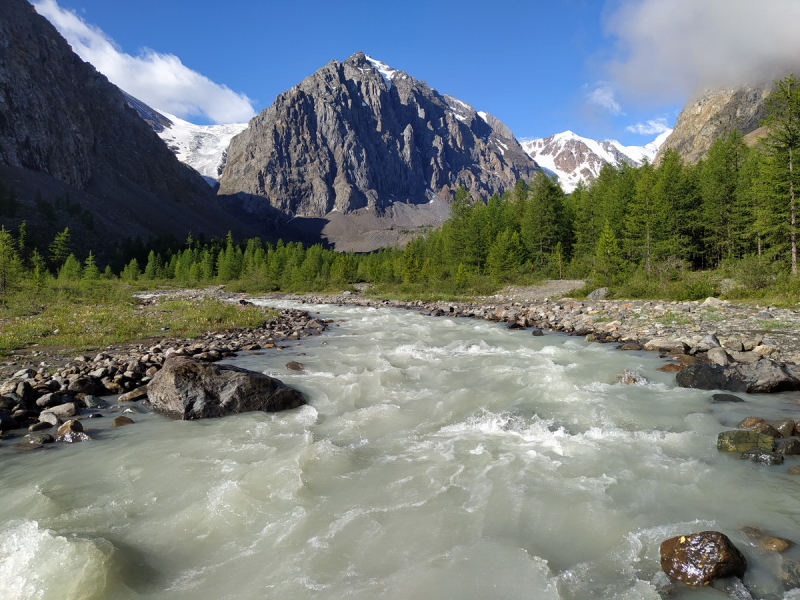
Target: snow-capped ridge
573,158
387,72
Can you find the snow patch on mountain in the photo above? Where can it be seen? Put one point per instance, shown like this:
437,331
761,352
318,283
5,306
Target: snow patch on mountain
202,147
573,158
387,72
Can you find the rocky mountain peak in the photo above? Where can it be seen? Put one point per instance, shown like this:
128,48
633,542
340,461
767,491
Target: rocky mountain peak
361,135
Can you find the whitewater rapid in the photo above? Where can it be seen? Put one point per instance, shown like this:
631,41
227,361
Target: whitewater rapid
437,458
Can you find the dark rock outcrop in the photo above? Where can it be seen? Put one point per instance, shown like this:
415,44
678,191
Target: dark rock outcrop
66,130
188,389
358,135
700,558
762,376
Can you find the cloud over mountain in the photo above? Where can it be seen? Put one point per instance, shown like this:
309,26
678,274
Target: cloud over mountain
160,80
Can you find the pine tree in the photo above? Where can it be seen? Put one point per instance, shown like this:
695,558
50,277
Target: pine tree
10,264
60,248
90,270
782,145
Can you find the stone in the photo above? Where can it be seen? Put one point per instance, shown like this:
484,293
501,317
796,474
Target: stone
295,366
671,368
65,411
766,429
739,440
776,544
718,356
629,377
790,573
700,558
786,427
598,294
711,301
91,401
47,416
630,346
762,376
40,426
7,422
725,398
708,342
49,400
661,344
765,458
37,438
71,432
536,332
749,422
794,470
85,385
789,446
121,421
188,389
134,395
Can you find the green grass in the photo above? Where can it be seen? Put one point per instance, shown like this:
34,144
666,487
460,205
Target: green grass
75,318
671,318
769,325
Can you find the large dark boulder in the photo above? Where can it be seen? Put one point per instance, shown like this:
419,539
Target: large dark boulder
700,558
762,376
189,389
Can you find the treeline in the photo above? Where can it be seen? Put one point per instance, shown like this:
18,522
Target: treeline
737,206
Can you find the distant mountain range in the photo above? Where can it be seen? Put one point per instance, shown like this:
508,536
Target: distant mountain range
573,158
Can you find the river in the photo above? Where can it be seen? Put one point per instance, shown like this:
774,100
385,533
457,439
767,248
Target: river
437,458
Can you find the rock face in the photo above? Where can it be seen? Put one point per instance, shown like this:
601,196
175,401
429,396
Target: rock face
65,129
358,135
700,558
188,389
714,114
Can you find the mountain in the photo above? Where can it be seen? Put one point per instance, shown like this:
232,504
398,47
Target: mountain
574,158
358,146
715,113
69,138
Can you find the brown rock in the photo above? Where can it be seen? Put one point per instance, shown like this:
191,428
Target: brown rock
750,422
71,432
671,368
786,427
766,429
700,558
121,421
295,366
776,544
794,470
134,395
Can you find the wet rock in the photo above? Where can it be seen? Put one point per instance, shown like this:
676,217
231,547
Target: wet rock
789,446
590,337
49,400
71,432
763,376
536,332
24,447
752,532
295,366
740,440
725,398
85,385
121,421
790,573
700,558
134,395
749,422
40,426
630,346
629,377
786,427
671,368
188,389
794,470
7,422
767,429
37,438
760,456
776,544
91,401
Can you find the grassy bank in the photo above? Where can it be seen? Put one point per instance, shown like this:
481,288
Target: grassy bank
73,316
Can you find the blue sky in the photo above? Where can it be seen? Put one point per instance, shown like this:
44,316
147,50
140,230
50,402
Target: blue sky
604,69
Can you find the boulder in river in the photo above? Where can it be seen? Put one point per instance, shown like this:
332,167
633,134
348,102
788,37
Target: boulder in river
762,376
739,440
700,558
765,458
188,389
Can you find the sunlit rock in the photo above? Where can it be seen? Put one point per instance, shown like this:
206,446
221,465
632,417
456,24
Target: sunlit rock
700,558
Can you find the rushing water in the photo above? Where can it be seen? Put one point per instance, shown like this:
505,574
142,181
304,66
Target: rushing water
436,459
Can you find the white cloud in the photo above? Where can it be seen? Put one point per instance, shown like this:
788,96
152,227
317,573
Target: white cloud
603,96
669,50
651,127
160,80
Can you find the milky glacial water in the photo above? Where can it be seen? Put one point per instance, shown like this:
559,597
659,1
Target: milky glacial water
437,458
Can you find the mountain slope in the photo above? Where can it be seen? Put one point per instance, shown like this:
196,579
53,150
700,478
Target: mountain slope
574,158
65,130
360,136
716,113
